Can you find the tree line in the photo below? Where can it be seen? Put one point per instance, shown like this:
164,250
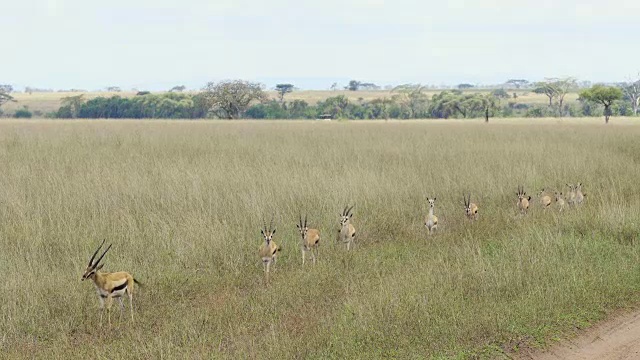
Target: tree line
242,99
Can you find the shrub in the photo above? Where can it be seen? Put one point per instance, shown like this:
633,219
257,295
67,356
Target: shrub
23,114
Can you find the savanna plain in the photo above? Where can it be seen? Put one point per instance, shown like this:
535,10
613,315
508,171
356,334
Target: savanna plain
183,203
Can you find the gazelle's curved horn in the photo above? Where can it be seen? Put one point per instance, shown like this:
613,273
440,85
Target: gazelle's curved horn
351,208
96,253
271,225
101,256
305,220
344,211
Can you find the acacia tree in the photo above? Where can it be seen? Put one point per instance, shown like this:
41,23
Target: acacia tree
517,83
230,99
73,104
563,86
632,91
547,88
488,103
283,89
604,95
4,94
413,99
178,88
354,85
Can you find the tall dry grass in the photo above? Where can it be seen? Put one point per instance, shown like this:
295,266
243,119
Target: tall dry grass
182,203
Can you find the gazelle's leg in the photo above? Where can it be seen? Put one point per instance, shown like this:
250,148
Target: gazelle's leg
121,308
267,273
109,302
101,308
303,254
130,293
313,254
264,266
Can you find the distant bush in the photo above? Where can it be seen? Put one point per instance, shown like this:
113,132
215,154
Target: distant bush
161,106
23,114
500,94
539,112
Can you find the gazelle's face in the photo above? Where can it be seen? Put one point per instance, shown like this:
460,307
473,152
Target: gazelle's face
558,196
344,219
267,235
431,202
88,273
303,230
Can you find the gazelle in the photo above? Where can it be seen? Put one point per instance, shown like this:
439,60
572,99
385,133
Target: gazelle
545,200
523,200
109,285
560,201
347,233
571,195
310,239
470,209
268,250
579,194
431,221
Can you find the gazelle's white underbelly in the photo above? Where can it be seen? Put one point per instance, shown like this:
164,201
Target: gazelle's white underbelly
115,294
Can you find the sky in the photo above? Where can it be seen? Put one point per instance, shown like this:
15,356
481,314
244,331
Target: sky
156,44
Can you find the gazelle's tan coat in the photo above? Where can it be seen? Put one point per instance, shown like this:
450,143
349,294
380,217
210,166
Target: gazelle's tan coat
109,285
560,203
571,195
470,209
579,194
268,250
310,240
523,200
347,232
431,221
545,199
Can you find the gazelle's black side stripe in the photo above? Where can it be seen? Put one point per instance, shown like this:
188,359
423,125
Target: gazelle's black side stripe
119,287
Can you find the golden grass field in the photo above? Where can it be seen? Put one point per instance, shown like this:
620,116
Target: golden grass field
50,102
183,203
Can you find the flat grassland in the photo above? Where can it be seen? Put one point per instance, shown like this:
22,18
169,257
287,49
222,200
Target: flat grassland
49,102
183,202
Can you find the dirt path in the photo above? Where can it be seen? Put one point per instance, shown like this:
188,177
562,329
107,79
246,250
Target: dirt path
618,338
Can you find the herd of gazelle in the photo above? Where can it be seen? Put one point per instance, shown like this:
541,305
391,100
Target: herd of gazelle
118,284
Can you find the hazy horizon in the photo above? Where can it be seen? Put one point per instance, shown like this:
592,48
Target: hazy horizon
154,45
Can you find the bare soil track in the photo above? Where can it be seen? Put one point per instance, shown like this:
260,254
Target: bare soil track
617,338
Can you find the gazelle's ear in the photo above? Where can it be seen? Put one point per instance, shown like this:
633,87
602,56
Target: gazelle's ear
434,199
273,232
350,215
298,226
99,267
262,232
